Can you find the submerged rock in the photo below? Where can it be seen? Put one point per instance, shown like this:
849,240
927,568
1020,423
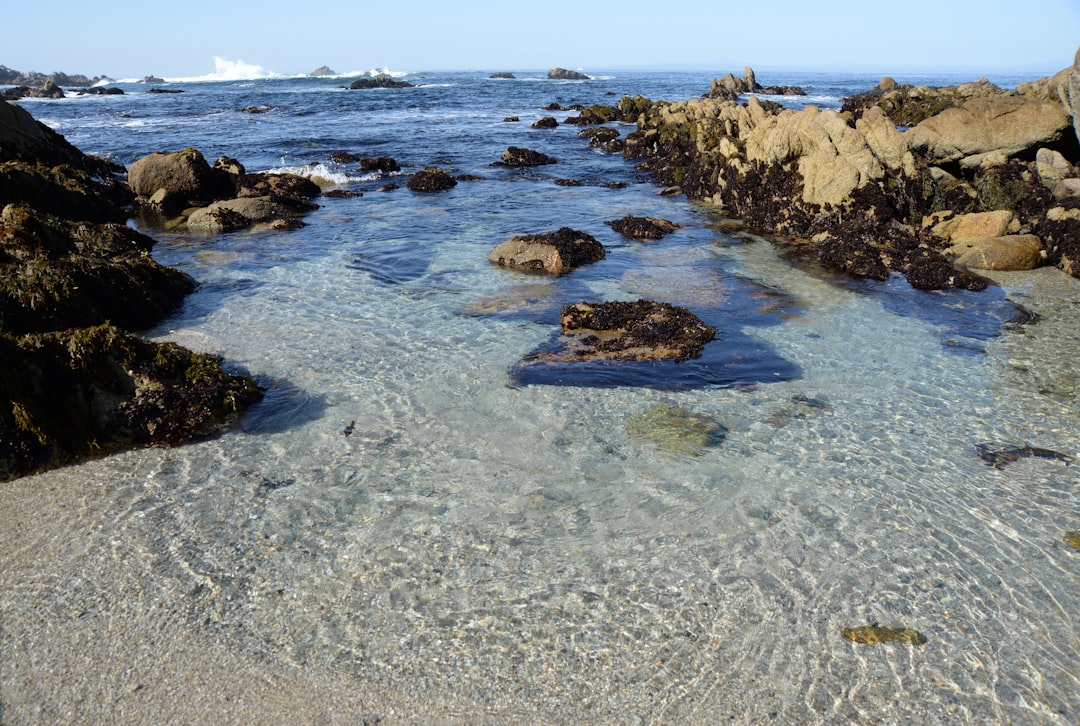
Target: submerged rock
554,253
998,456
677,429
877,634
1073,539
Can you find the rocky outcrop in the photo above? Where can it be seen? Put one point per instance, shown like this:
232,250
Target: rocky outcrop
73,277
855,188
10,77
907,105
323,71
49,89
380,81
554,253
561,74
503,75
222,198
730,88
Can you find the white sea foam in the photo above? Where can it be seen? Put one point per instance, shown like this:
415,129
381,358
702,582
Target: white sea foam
323,175
228,70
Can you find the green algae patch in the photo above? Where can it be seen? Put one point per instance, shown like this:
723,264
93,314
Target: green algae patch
877,634
1073,539
677,429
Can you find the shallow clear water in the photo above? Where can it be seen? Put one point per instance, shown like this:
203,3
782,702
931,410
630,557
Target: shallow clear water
506,543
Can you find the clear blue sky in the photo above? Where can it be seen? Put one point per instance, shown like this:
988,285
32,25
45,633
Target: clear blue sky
124,39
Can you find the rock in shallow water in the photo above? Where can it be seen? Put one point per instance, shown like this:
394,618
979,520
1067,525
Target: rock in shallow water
877,634
677,429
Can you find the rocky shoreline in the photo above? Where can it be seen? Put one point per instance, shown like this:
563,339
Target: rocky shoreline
76,283
936,184
932,183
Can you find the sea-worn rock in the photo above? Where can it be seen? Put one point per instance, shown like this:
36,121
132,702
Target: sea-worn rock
1009,125
1005,253
554,253
547,122
502,74
517,156
562,74
631,331
730,88
85,392
380,163
431,179
232,215
323,71
172,181
907,105
24,138
643,228
878,634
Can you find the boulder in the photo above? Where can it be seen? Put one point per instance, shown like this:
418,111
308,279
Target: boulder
517,156
547,122
178,179
554,253
561,74
323,71
231,215
1011,125
976,225
1003,253
1053,168
380,163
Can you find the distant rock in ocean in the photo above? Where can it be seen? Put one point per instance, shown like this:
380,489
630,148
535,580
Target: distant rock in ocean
502,74
561,74
323,71
152,79
380,81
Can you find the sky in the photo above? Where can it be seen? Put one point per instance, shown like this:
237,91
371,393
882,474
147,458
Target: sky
123,39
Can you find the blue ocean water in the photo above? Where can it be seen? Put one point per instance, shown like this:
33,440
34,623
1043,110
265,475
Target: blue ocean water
509,540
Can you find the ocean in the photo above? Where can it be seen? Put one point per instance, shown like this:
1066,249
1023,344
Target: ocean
496,543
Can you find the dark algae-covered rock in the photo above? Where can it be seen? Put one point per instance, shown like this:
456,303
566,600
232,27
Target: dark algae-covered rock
643,228
57,274
878,634
431,179
517,156
89,391
74,279
640,330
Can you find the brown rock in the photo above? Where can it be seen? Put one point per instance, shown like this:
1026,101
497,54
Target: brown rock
643,228
554,253
1005,253
979,225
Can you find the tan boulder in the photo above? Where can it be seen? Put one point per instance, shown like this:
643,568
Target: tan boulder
1001,123
833,158
232,214
977,225
176,178
553,253
1006,253
1052,167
